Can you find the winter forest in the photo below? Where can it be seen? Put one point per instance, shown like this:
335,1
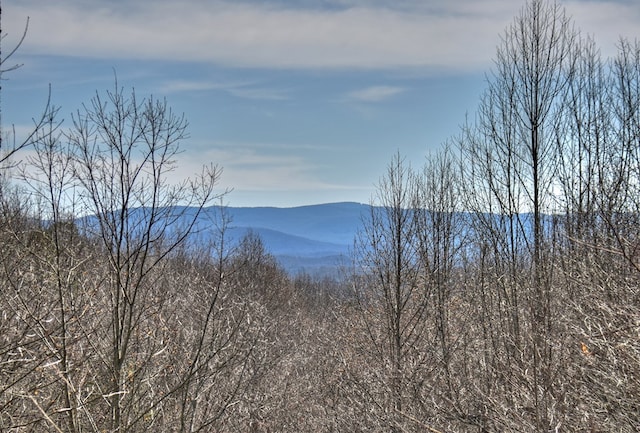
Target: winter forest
496,288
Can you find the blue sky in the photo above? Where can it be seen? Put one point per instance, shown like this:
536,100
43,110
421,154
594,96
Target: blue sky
300,102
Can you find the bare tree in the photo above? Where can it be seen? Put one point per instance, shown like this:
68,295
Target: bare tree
511,164
393,298
138,325
608,266
122,151
38,265
440,239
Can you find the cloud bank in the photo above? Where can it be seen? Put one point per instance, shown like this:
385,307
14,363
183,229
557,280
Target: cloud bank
330,34
373,34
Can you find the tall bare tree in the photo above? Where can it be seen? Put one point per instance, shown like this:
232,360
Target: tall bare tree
511,164
440,239
122,151
392,298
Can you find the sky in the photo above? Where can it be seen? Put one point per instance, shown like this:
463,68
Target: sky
299,101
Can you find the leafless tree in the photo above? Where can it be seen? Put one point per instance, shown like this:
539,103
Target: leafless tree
122,151
608,265
511,164
493,290
441,231
106,341
392,299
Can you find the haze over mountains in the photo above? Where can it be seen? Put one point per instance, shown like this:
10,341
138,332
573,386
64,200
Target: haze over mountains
315,239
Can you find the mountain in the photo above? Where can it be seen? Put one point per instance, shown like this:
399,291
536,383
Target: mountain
333,222
315,239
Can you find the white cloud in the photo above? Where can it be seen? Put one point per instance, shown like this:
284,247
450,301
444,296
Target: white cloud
271,174
374,93
606,21
378,34
259,93
176,86
240,89
352,34
259,35
257,167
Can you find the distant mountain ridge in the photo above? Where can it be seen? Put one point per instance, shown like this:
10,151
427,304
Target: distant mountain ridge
315,239
312,239
332,222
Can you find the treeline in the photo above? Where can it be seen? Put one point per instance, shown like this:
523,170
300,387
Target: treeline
494,289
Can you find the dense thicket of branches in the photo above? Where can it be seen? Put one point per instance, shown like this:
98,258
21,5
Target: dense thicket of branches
494,289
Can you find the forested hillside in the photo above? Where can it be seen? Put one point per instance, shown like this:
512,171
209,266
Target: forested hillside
493,289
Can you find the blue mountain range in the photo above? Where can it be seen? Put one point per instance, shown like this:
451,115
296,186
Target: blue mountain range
314,239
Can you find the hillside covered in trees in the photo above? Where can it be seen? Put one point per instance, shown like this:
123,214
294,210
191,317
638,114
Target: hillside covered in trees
494,289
